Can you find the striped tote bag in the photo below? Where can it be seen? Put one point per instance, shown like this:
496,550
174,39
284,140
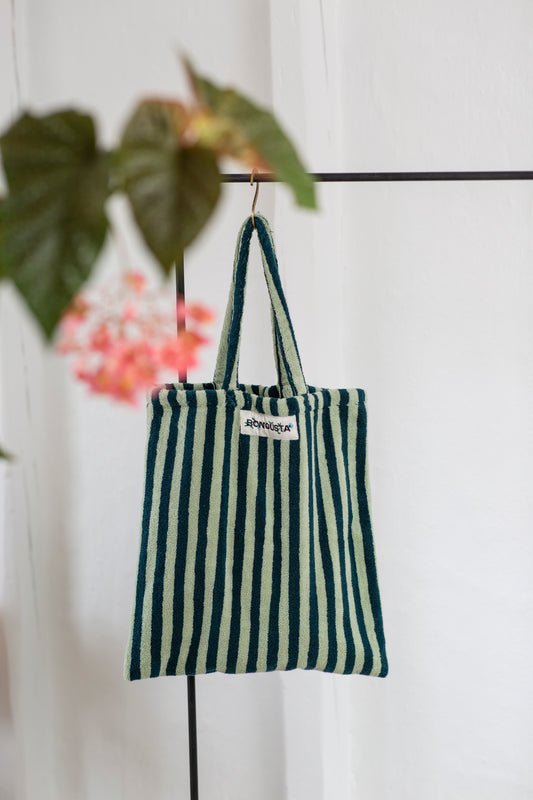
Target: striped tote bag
256,548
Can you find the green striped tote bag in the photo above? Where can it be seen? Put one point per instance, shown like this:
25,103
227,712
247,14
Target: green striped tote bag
256,548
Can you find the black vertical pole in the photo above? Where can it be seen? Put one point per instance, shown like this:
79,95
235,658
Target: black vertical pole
193,749
191,684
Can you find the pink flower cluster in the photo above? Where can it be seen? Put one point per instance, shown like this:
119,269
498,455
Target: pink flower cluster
124,339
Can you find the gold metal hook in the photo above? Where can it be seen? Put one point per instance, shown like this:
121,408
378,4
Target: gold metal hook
254,170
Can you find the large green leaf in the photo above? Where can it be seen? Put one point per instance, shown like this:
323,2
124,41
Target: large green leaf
173,186
54,222
240,123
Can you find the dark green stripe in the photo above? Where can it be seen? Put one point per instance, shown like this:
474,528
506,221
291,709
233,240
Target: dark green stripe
273,621
162,529
259,544
342,531
286,368
151,454
326,562
238,549
364,517
218,588
239,285
344,416
277,357
313,598
182,539
272,262
201,544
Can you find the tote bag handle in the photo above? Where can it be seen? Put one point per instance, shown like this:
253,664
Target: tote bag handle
237,290
290,375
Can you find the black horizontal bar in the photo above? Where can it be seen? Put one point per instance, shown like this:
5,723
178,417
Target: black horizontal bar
341,177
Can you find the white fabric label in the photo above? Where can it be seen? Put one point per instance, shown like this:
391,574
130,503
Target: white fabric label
255,424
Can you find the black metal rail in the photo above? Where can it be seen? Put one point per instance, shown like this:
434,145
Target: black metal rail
324,177
354,177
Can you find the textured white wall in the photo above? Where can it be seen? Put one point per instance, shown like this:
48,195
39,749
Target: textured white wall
423,294
420,293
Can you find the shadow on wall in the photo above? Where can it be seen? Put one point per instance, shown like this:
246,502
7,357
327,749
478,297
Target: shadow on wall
7,734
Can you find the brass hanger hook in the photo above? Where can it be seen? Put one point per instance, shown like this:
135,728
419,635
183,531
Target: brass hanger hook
254,170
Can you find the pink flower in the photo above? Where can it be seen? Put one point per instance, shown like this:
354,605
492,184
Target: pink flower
201,314
134,362
135,280
101,339
78,307
179,353
181,309
129,312
196,312
128,367
123,344
73,317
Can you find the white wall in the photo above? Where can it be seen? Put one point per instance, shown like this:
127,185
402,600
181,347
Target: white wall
420,293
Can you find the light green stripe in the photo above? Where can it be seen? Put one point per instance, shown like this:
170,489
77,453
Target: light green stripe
322,604
345,488
225,621
333,542
283,651
212,534
172,541
192,541
377,665
248,561
288,343
357,538
220,366
352,488
305,534
268,557
146,658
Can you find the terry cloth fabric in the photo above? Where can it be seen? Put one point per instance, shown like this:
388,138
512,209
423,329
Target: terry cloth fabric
256,549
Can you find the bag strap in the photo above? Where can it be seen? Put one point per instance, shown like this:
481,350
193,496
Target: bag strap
290,375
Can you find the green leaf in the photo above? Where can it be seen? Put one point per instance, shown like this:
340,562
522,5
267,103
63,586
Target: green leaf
54,221
248,124
173,186
5,455
3,265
